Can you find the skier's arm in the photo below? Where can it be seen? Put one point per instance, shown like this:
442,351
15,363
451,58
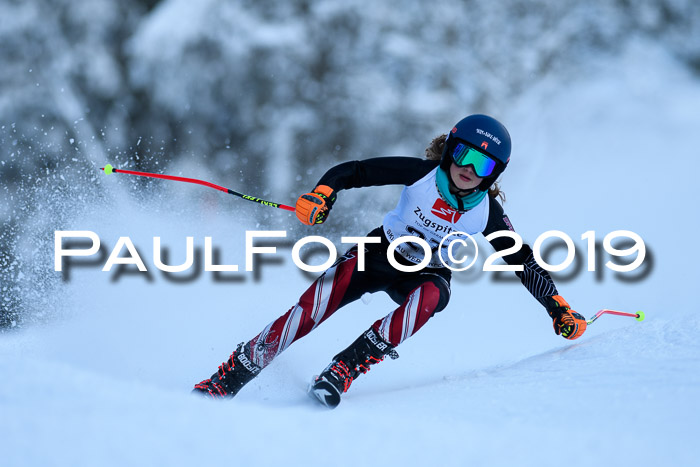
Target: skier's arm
538,282
376,172
313,208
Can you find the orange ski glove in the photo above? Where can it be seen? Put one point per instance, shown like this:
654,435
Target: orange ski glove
566,322
313,208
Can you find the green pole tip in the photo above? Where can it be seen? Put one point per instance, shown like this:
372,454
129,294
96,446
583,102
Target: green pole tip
640,316
108,169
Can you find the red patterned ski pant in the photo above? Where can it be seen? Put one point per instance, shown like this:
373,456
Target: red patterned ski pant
419,295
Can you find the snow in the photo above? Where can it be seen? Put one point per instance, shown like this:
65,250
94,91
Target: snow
486,382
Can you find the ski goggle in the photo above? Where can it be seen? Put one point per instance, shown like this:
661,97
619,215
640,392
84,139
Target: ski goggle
464,155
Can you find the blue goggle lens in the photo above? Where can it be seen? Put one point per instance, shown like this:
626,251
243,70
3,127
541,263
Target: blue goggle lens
464,155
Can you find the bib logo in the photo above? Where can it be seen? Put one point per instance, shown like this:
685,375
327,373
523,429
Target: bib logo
442,210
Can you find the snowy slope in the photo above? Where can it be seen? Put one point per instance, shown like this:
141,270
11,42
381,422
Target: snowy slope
485,383
624,405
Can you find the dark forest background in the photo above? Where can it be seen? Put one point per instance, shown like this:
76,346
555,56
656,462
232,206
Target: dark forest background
267,95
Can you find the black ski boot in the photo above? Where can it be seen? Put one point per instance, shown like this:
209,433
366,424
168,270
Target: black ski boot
231,376
348,365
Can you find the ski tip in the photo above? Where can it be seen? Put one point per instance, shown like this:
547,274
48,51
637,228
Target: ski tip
324,392
108,169
640,316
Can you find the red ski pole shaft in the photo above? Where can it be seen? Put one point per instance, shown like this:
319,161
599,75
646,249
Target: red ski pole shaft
108,169
639,316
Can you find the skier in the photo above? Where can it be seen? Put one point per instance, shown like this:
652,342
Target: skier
453,190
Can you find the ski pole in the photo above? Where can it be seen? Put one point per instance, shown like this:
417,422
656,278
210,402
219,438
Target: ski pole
108,169
639,316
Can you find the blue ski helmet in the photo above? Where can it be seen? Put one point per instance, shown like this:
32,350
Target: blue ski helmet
485,135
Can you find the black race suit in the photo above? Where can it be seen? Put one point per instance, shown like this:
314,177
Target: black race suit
420,294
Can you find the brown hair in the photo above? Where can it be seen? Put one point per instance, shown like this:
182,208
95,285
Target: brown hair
434,153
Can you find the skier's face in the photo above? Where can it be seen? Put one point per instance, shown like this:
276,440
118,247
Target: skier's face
464,178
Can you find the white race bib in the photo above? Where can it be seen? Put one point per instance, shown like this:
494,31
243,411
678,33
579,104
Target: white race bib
423,213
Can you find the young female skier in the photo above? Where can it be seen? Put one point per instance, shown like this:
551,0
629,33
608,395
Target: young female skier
453,190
